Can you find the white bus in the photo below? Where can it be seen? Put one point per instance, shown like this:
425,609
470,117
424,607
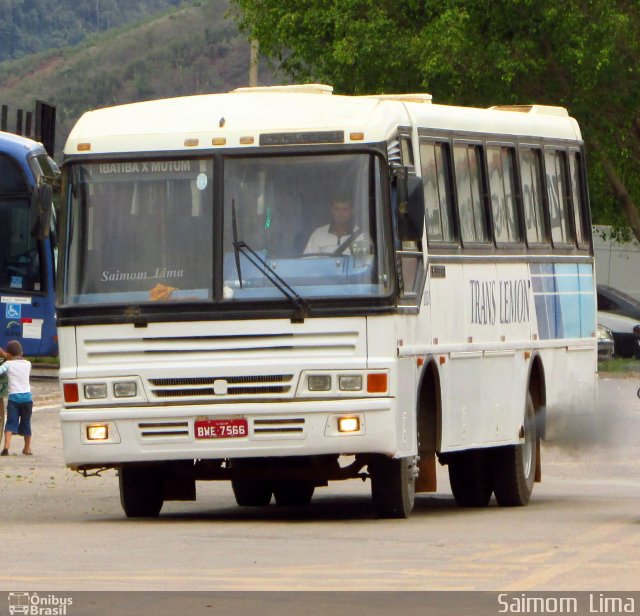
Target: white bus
444,309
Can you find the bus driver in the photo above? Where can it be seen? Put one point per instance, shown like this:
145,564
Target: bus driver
329,239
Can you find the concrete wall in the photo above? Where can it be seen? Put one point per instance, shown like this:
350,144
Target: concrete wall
617,264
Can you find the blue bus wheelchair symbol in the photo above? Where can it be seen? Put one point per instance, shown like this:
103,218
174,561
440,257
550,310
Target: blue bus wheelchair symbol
14,311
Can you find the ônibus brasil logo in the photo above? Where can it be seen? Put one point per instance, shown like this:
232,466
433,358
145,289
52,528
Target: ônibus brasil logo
35,604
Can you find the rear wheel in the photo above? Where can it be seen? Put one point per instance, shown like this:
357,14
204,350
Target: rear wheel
251,492
393,486
293,493
514,467
470,478
141,491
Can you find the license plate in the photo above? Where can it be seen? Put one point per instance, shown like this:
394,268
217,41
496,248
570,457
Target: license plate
221,428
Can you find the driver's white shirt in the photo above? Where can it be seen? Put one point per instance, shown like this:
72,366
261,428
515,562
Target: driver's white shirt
325,240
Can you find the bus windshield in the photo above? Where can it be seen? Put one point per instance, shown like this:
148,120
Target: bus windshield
312,220
140,231
148,231
20,259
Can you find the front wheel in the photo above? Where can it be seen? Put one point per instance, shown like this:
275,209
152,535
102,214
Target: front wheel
514,467
141,491
293,493
393,486
251,492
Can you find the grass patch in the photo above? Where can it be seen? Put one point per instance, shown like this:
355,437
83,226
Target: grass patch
619,365
45,360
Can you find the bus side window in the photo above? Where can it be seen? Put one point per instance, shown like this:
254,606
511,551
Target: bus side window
506,219
468,169
531,174
556,174
577,195
436,175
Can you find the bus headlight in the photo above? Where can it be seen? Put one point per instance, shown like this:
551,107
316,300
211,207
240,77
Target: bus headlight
350,382
125,389
319,382
343,383
95,391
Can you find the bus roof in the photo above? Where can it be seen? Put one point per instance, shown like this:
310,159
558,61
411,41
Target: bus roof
238,118
18,146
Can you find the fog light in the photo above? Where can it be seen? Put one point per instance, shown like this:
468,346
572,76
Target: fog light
125,389
348,424
350,382
95,391
319,382
98,433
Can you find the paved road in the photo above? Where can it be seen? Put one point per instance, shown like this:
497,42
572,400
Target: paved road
581,531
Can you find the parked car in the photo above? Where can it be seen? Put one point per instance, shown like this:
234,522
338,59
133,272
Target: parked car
626,333
612,300
606,342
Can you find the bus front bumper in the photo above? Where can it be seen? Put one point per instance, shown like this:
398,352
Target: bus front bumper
111,436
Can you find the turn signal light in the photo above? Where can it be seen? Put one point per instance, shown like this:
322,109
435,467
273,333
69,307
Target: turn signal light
377,383
70,392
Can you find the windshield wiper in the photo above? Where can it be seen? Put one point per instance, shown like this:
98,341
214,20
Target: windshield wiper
301,306
240,246
236,250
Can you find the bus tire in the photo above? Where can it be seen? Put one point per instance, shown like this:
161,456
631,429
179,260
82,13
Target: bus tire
141,491
251,492
470,478
393,486
293,493
514,467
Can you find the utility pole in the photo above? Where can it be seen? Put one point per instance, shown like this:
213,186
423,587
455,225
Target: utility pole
253,64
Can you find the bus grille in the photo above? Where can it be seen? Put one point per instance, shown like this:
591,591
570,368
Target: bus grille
278,426
148,350
164,429
223,386
265,428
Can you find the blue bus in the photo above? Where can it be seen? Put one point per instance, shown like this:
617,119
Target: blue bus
28,248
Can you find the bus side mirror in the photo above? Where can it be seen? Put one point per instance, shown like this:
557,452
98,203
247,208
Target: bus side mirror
410,212
41,209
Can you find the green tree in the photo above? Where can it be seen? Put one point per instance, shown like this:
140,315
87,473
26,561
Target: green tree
581,54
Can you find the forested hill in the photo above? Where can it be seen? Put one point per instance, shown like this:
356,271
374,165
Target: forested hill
30,26
191,49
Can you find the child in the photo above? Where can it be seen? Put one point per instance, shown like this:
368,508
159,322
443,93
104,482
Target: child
20,403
